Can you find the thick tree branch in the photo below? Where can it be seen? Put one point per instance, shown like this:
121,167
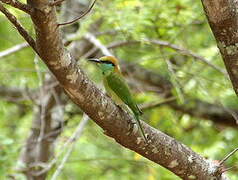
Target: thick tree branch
116,123
222,16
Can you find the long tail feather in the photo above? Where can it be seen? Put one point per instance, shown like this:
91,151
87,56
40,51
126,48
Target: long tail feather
140,127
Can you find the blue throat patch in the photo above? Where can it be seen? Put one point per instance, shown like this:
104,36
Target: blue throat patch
107,68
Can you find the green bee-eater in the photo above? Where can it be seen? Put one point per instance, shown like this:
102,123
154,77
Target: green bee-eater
116,85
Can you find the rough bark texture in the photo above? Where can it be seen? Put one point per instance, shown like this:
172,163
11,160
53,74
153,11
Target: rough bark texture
116,123
222,16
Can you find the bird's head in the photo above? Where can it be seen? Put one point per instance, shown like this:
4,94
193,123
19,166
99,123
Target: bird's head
107,64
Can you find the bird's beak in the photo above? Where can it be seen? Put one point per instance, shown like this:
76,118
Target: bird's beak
94,60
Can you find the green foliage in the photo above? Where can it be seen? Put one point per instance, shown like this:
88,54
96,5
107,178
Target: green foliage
96,156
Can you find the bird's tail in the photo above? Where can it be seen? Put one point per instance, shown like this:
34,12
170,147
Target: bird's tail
139,110
140,127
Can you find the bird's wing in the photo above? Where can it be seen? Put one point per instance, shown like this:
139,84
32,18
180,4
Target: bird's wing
121,89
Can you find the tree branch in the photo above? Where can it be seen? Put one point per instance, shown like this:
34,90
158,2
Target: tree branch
17,4
222,16
19,27
116,123
13,49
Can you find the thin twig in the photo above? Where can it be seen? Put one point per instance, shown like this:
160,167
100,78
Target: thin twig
186,52
228,156
17,4
13,49
157,104
85,13
228,169
19,27
181,50
73,138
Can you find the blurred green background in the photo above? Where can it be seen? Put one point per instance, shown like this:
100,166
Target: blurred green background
96,156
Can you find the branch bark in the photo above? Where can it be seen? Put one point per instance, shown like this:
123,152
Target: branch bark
46,126
17,4
116,123
222,16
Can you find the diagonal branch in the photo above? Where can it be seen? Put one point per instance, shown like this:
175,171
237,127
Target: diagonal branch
13,49
17,4
116,123
98,45
19,27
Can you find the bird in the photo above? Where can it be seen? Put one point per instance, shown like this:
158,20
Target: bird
116,86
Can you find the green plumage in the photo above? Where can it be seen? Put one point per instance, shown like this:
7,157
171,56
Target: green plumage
115,85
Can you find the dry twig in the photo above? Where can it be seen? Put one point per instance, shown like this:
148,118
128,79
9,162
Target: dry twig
227,156
84,14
